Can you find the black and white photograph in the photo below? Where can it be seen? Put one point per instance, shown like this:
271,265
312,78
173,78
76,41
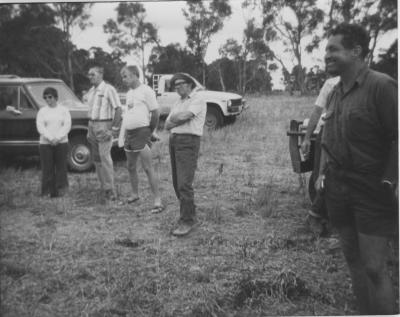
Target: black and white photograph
189,158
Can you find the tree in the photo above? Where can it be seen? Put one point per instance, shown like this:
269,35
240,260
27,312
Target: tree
377,17
222,75
388,61
30,43
253,47
205,19
171,59
293,33
293,23
70,14
130,32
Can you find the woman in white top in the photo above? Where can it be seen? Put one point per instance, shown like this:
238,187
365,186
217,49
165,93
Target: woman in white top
53,123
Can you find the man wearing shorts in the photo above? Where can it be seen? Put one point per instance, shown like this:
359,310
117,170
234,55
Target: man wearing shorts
139,123
359,167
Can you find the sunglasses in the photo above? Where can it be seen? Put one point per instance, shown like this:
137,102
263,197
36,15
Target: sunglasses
48,97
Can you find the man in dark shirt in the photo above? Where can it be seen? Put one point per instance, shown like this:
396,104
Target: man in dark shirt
359,166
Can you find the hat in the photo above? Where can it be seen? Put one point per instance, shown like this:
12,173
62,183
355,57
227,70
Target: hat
183,76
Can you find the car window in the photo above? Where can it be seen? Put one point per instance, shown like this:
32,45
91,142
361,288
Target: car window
168,86
24,101
8,96
66,97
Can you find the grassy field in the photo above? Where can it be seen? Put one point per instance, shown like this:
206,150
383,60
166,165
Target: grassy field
253,254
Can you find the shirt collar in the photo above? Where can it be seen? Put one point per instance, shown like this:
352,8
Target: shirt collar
100,86
360,78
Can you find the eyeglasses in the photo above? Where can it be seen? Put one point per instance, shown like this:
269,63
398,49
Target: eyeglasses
48,97
178,84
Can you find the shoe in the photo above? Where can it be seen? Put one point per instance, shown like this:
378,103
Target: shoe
183,229
157,209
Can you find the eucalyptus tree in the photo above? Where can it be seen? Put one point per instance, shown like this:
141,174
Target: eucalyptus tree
130,33
69,15
377,16
252,46
205,19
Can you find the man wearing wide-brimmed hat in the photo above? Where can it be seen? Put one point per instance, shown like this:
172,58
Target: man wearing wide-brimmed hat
185,121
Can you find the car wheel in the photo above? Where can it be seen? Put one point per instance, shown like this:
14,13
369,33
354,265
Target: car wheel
214,118
230,119
80,154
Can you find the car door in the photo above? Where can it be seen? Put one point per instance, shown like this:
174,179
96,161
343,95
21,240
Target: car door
17,117
26,122
9,116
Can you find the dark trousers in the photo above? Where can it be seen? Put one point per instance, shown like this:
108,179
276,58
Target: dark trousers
53,161
184,152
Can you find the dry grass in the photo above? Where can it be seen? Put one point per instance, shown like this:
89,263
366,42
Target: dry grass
252,255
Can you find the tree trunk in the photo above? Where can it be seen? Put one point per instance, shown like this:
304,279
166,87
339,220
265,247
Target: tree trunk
221,78
244,77
69,63
203,68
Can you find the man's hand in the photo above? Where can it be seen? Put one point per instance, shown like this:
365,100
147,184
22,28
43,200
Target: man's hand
305,147
115,132
320,183
154,137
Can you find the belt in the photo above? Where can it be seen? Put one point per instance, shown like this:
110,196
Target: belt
184,134
100,120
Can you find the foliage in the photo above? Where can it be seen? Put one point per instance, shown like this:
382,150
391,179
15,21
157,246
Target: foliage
172,59
70,14
205,19
306,17
30,43
388,62
253,47
130,32
377,17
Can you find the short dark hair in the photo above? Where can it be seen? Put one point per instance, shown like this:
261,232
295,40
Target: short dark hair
353,35
183,76
50,91
133,69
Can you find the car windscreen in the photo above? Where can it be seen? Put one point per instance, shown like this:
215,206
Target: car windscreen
66,97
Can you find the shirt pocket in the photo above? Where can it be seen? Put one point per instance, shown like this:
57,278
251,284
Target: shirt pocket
360,125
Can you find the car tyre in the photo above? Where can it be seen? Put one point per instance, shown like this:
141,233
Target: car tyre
80,158
214,119
311,187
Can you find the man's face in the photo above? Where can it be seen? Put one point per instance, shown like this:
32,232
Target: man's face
182,88
95,76
337,57
128,78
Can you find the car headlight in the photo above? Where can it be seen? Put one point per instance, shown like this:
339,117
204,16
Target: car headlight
229,103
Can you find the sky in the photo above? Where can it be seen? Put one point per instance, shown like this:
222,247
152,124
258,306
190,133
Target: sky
167,16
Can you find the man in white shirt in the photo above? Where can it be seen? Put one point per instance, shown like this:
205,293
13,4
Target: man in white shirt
318,210
105,115
185,121
139,123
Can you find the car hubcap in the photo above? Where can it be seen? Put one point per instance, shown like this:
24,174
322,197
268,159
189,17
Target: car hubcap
81,155
211,121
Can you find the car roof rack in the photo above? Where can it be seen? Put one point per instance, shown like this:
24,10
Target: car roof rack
8,76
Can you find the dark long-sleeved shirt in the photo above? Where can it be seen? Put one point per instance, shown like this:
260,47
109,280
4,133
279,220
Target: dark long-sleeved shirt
361,125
